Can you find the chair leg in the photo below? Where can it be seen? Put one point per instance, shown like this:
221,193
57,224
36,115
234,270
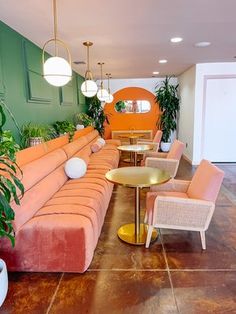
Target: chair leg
203,239
149,235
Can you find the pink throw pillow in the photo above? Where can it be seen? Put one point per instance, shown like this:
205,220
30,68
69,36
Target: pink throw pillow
95,147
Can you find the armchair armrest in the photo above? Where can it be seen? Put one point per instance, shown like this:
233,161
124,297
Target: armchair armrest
172,185
182,213
155,155
155,145
170,165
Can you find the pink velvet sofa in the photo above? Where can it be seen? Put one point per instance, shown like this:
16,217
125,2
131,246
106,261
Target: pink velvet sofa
59,220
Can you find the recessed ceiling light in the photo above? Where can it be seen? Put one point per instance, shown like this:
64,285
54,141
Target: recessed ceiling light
155,72
176,39
162,61
202,44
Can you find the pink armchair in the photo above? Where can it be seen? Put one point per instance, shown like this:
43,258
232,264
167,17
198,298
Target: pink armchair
155,141
166,161
185,205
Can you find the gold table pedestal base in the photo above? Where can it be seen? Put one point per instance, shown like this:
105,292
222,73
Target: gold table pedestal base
127,234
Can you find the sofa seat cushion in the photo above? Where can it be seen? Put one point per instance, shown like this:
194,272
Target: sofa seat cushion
111,161
91,180
94,166
89,193
113,142
61,206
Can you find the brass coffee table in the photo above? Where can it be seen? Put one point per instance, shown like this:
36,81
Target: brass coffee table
138,178
138,148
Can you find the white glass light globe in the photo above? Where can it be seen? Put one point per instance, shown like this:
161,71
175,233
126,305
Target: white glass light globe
89,88
57,71
109,99
102,94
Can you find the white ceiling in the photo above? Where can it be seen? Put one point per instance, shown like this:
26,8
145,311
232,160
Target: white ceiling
130,36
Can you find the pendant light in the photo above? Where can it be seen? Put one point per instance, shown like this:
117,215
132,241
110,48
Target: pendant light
56,70
102,93
110,96
89,87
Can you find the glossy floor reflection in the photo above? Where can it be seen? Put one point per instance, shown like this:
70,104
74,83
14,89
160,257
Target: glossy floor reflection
173,276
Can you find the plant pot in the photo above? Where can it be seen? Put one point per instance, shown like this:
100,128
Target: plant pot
165,147
3,281
33,141
79,127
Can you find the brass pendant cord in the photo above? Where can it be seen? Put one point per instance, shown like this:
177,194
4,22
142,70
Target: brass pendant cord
108,82
55,25
88,65
101,64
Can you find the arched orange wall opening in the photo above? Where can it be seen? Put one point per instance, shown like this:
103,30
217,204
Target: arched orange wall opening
137,121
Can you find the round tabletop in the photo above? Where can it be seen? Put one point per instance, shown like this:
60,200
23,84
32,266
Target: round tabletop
137,176
135,148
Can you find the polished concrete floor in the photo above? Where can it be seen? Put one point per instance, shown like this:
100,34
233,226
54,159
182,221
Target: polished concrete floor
173,276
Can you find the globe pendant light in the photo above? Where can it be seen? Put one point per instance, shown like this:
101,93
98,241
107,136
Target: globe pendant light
110,96
89,87
56,70
102,93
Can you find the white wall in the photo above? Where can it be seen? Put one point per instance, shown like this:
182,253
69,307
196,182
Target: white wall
146,83
186,114
204,73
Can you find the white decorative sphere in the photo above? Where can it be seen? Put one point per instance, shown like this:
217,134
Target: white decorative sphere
102,94
89,88
110,99
75,168
57,71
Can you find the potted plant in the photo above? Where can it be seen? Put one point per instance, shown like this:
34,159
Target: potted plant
11,189
34,134
82,118
96,112
168,100
120,106
64,127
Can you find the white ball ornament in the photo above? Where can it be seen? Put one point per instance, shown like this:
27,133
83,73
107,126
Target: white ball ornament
75,168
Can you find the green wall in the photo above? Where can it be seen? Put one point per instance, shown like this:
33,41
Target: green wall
22,87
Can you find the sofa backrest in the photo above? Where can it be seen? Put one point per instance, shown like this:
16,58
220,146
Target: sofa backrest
44,176
176,150
41,178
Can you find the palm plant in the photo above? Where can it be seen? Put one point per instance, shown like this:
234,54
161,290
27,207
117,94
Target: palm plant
168,100
11,187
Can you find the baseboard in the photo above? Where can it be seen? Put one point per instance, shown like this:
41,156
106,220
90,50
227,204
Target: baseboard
187,159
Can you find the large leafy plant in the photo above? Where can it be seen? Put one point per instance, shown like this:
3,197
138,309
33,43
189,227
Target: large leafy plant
11,187
83,119
168,100
64,127
96,112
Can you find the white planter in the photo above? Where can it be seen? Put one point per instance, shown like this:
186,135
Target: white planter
3,281
165,147
79,127
33,141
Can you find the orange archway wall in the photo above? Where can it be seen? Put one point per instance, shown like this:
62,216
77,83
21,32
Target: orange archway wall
137,121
